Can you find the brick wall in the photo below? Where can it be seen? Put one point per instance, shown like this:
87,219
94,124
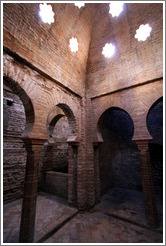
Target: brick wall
55,160
61,130
55,156
47,46
51,76
14,152
115,154
14,161
43,93
136,101
45,96
57,183
155,122
134,62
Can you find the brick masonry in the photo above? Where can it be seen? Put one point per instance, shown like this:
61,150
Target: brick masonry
52,82
118,155
14,152
48,95
55,155
36,41
57,183
155,126
134,62
138,109
55,160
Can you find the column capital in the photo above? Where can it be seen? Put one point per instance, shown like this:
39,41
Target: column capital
142,139
34,141
73,140
142,143
97,143
73,143
33,144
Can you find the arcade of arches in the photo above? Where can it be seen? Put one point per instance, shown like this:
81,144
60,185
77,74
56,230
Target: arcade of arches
80,126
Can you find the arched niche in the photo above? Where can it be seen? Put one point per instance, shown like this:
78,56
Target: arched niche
118,155
62,131
155,121
55,114
28,106
155,127
18,120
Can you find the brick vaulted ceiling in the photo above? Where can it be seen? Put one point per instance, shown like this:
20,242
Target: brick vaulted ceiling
134,62
46,46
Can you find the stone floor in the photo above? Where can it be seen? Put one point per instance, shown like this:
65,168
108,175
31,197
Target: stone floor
119,218
51,211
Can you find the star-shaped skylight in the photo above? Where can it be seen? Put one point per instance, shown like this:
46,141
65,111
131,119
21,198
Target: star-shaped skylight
73,44
46,13
143,32
80,4
116,8
108,50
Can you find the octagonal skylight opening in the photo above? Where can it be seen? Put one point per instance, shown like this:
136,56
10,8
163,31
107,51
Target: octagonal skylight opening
143,32
73,44
108,50
46,14
116,8
79,4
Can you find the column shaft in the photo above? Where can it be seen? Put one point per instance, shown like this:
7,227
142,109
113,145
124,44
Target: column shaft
72,175
27,225
147,183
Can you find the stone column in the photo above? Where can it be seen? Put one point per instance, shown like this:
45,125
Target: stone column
72,174
97,171
147,183
48,161
27,226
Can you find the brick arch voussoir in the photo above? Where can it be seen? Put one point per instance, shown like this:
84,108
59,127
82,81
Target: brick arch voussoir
155,102
51,125
103,110
27,103
61,110
141,130
152,104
